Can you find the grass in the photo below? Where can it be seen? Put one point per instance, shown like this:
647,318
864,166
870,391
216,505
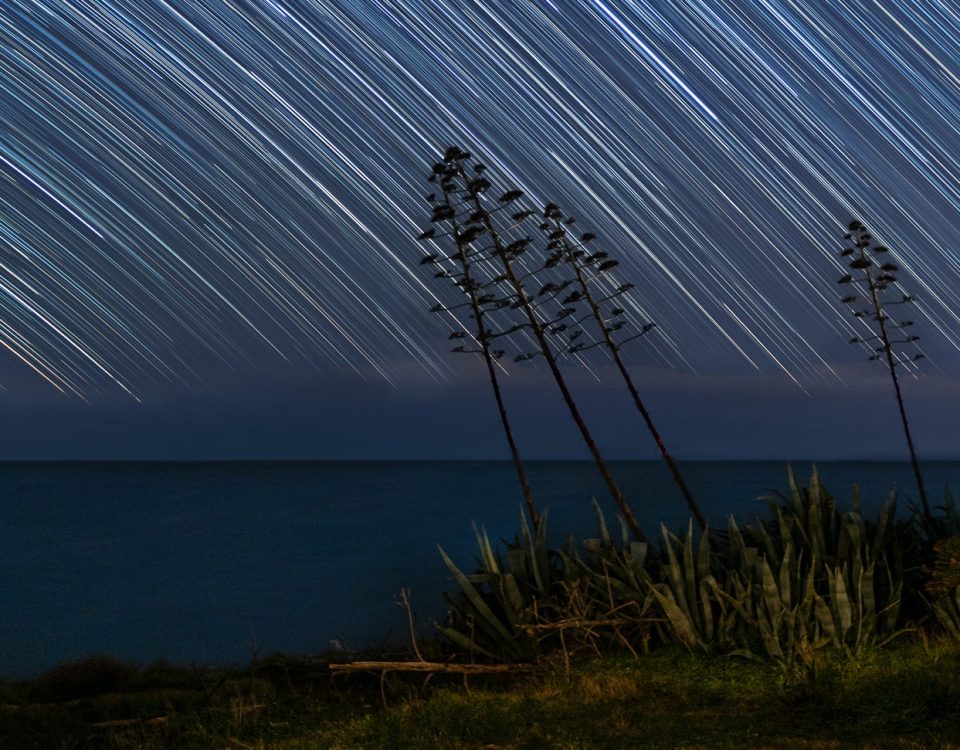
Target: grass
906,696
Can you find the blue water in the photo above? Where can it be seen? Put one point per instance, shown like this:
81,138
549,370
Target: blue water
197,562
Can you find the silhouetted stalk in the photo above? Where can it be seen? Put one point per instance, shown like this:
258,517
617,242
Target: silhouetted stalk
892,367
499,251
618,361
484,340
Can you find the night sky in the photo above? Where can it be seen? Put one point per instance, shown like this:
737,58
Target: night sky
208,214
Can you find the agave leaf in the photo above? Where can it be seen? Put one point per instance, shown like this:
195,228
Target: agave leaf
679,622
771,597
736,539
487,556
703,554
859,535
785,569
537,554
541,555
782,525
706,608
638,554
818,544
889,614
851,538
770,641
799,532
674,573
529,550
766,540
840,601
486,615
512,595
796,496
805,608
869,599
690,578
517,565
884,525
739,596
602,524
731,607
825,619
816,488
463,641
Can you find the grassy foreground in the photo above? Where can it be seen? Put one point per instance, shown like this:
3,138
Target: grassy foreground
906,696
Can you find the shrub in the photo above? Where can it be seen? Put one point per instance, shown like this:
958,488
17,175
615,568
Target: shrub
809,577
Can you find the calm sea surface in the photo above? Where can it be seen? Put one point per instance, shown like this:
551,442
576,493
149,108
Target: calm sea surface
195,562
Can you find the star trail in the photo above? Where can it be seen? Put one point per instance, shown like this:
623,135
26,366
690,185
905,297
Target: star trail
188,187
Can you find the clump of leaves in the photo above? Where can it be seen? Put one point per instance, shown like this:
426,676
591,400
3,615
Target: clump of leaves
535,600
810,577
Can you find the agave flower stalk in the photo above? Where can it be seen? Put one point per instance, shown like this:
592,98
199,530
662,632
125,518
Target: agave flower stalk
482,335
474,189
863,258
581,264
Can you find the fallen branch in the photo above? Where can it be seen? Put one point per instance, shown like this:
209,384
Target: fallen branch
429,666
129,722
580,624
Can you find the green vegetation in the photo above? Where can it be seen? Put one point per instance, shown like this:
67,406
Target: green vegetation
903,697
811,577
819,628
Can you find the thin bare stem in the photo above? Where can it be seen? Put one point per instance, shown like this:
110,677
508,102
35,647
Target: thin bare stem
892,367
537,328
405,601
614,350
484,340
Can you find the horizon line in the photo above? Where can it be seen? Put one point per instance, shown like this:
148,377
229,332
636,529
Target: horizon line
937,459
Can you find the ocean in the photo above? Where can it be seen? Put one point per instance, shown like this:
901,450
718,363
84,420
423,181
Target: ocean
210,563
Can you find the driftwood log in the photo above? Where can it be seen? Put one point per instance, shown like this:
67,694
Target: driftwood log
429,666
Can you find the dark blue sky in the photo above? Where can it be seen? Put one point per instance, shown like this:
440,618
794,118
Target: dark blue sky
208,212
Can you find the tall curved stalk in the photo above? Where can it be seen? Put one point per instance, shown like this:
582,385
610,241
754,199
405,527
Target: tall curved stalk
876,284
470,287
474,190
574,259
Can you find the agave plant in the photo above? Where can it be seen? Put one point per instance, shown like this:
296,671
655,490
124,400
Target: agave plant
490,233
448,210
620,603
701,615
534,600
849,567
489,610
872,276
809,577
